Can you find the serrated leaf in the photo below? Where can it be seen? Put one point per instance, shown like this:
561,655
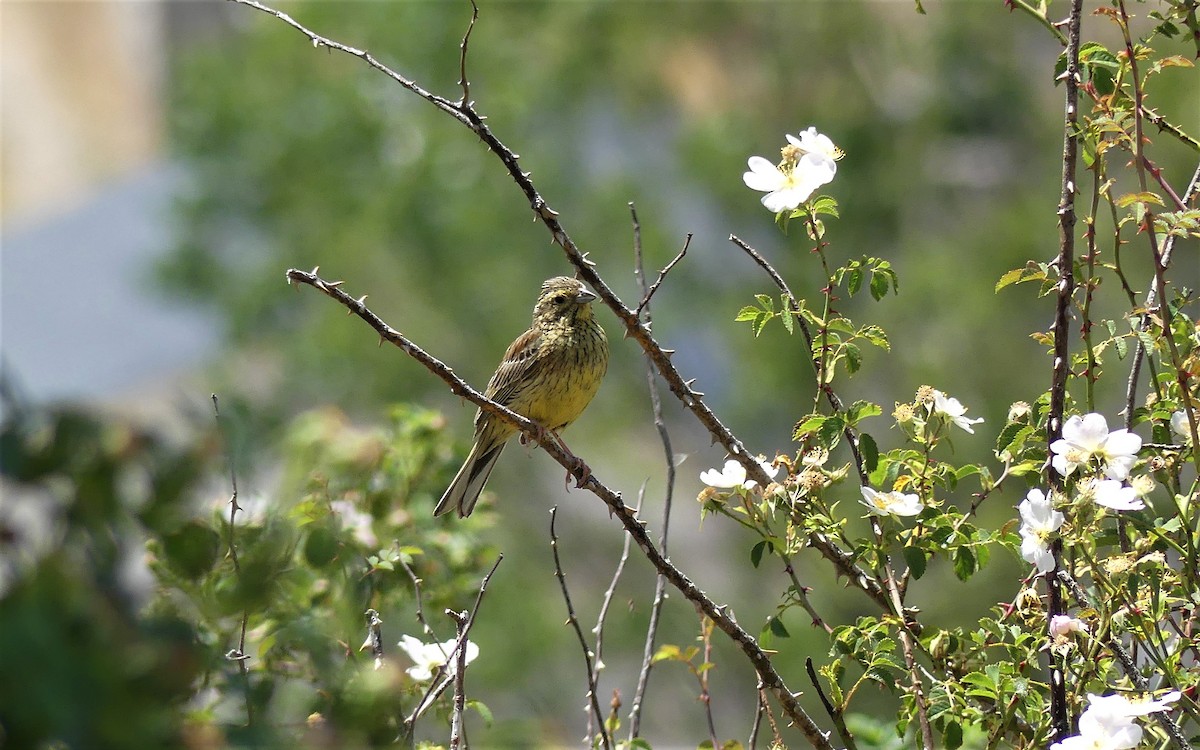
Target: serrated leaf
747,313
952,735
879,285
824,205
811,423
756,552
830,431
869,451
766,302
760,323
860,410
876,336
914,557
481,708
1142,197
1031,272
853,358
777,628
965,563
854,281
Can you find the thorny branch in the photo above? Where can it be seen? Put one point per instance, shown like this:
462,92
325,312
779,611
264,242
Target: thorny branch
660,583
1061,364
239,654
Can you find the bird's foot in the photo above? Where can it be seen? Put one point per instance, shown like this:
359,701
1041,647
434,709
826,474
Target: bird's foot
541,435
579,470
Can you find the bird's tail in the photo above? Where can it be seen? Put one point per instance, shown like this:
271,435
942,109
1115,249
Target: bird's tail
468,482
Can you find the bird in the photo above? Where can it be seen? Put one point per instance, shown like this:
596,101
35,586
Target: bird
549,375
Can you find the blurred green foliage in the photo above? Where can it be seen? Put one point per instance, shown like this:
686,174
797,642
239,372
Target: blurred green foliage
121,607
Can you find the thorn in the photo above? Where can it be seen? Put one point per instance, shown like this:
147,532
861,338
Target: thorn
669,352
362,300
314,271
334,284
380,341
698,394
688,383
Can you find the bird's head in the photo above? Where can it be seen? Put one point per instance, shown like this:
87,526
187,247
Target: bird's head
563,298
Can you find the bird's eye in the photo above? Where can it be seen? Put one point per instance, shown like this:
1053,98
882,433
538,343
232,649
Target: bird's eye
559,299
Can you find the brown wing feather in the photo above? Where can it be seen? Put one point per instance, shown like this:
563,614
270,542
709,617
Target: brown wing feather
519,362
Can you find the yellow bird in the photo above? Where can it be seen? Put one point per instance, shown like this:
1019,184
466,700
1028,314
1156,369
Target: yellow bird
549,374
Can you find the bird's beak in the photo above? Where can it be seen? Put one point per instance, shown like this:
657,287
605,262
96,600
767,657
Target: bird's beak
585,296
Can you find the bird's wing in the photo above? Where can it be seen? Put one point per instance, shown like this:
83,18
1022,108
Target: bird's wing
520,363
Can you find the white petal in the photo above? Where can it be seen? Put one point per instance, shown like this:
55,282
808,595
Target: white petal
763,175
786,199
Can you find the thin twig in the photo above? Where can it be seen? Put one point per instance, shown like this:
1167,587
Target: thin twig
594,709
706,696
835,713
760,706
1061,365
632,524
457,738
662,275
598,631
660,583
462,59
374,640
239,654
416,582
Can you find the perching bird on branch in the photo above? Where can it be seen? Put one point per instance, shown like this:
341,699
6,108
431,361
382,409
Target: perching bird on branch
549,375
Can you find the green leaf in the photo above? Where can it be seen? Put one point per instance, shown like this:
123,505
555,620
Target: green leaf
876,336
854,281
1031,272
824,205
760,323
1143,197
193,550
965,563
480,708
914,557
321,546
747,313
786,314
870,452
777,628
853,358
831,430
860,410
881,279
952,735
756,552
